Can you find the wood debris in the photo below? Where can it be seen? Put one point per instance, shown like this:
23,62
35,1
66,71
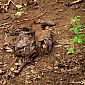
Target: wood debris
74,2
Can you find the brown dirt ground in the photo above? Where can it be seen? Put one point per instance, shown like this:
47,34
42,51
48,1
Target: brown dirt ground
57,68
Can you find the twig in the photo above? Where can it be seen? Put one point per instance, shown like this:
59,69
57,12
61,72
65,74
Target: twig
74,2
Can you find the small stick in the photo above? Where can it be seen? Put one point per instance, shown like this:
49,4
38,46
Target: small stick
74,2
77,1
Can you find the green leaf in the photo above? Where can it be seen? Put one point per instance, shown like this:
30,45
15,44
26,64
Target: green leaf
72,22
71,41
78,40
75,39
78,17
75,20
19,13
18,6
80,35
70,50
75,30
79,26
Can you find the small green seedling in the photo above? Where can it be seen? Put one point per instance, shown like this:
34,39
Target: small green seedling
70,50
77,40
75,30
75,21
19,6
75,27
19,13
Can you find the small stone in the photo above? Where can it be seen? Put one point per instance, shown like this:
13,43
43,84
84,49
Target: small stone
83,9
56,1
12,69
1,81
58,32
17,64
58,45
1,71
16,71
5,65
49,67
1,63
62,70
35,62
15,67
55,71
42,73
56,63
4,82
33,71
57,55
60,10
38,77
55,67
8,49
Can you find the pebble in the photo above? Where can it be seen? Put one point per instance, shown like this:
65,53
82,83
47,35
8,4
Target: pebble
1,71
33,72
12,69
9,50
42,74
1,81
62,70
55,68
15,67
1,63
49,67
4,82
58,45
83,9
58,32
57,55
56,63
55,71
60,10
16,71
35,62
83,82
17,64
56,0
5,65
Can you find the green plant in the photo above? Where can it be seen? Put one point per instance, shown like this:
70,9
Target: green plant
19,13
75,27
19,6
70,50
